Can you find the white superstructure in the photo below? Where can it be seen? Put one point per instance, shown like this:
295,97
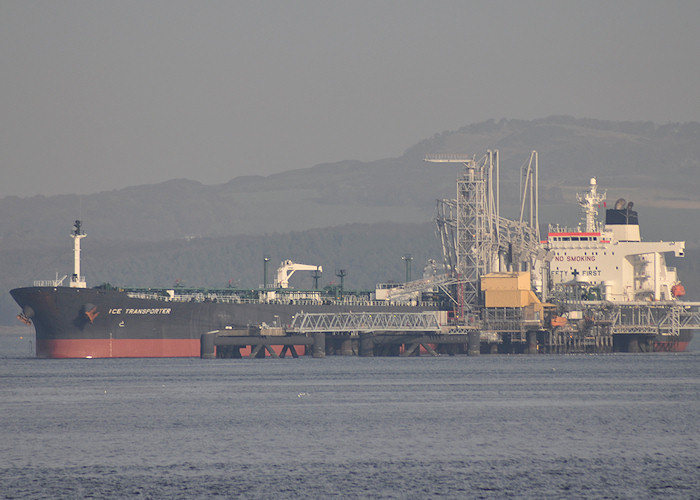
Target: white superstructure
611,263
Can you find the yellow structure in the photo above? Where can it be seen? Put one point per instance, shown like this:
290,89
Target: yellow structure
508,289
512,290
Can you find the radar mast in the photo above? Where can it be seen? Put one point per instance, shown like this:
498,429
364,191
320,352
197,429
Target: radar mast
589,204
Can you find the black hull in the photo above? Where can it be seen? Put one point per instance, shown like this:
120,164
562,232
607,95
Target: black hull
88,322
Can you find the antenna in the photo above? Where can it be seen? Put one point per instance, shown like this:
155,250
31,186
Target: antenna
316,276
341,273
266,259
408,258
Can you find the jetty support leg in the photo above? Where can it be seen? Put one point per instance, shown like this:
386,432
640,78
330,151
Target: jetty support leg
410,349
207,349
430,350
366,345
271,351
254,351
319,347
531,342
474,343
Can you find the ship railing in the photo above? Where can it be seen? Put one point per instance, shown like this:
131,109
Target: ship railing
53,283
46,283
237,299
448,157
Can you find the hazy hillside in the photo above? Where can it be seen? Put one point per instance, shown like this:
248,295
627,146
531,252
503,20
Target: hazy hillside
656,166
154,234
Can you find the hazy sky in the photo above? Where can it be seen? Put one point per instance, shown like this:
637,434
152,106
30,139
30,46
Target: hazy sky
99,95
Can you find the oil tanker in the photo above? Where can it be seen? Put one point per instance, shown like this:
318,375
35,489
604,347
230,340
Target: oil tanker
597,279
75,321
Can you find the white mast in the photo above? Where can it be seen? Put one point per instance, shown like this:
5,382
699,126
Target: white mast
76,280
589,203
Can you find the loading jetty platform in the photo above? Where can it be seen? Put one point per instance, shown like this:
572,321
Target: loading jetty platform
628,328
346,334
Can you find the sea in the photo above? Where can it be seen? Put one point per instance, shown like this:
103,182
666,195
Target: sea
498,426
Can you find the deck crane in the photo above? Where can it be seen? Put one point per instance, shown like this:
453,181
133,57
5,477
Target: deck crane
287,268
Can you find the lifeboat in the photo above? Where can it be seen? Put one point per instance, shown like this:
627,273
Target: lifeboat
559,321
678,290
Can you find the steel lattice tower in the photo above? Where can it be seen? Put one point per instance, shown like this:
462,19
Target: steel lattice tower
476,239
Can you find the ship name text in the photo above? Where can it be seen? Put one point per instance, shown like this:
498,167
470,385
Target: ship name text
153,310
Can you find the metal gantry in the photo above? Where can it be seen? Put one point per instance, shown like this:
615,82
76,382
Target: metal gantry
343,322
655,318
476,240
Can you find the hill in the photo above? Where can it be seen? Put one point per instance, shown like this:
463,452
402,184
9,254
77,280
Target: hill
656,166
149,235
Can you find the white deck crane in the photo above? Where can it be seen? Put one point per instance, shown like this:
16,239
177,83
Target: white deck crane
287,268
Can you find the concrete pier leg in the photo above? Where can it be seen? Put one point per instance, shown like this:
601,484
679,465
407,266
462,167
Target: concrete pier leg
633,344
429,349
412,349
346,347
207,349
319,347
257,351
532,342
366,345
474,343
493,348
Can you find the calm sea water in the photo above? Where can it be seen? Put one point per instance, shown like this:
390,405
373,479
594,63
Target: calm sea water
569,426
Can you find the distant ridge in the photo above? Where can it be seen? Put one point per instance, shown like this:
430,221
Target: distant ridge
656,166
659,166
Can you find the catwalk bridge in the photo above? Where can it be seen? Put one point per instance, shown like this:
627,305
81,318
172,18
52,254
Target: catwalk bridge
365,322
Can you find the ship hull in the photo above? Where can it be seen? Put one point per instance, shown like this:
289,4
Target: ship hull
96,323
673,344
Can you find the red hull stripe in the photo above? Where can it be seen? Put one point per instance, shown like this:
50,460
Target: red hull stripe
122,348
130,348
670,346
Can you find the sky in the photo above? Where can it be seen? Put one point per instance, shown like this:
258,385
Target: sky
100,95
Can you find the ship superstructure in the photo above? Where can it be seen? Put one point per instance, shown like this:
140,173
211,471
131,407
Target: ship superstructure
611,262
